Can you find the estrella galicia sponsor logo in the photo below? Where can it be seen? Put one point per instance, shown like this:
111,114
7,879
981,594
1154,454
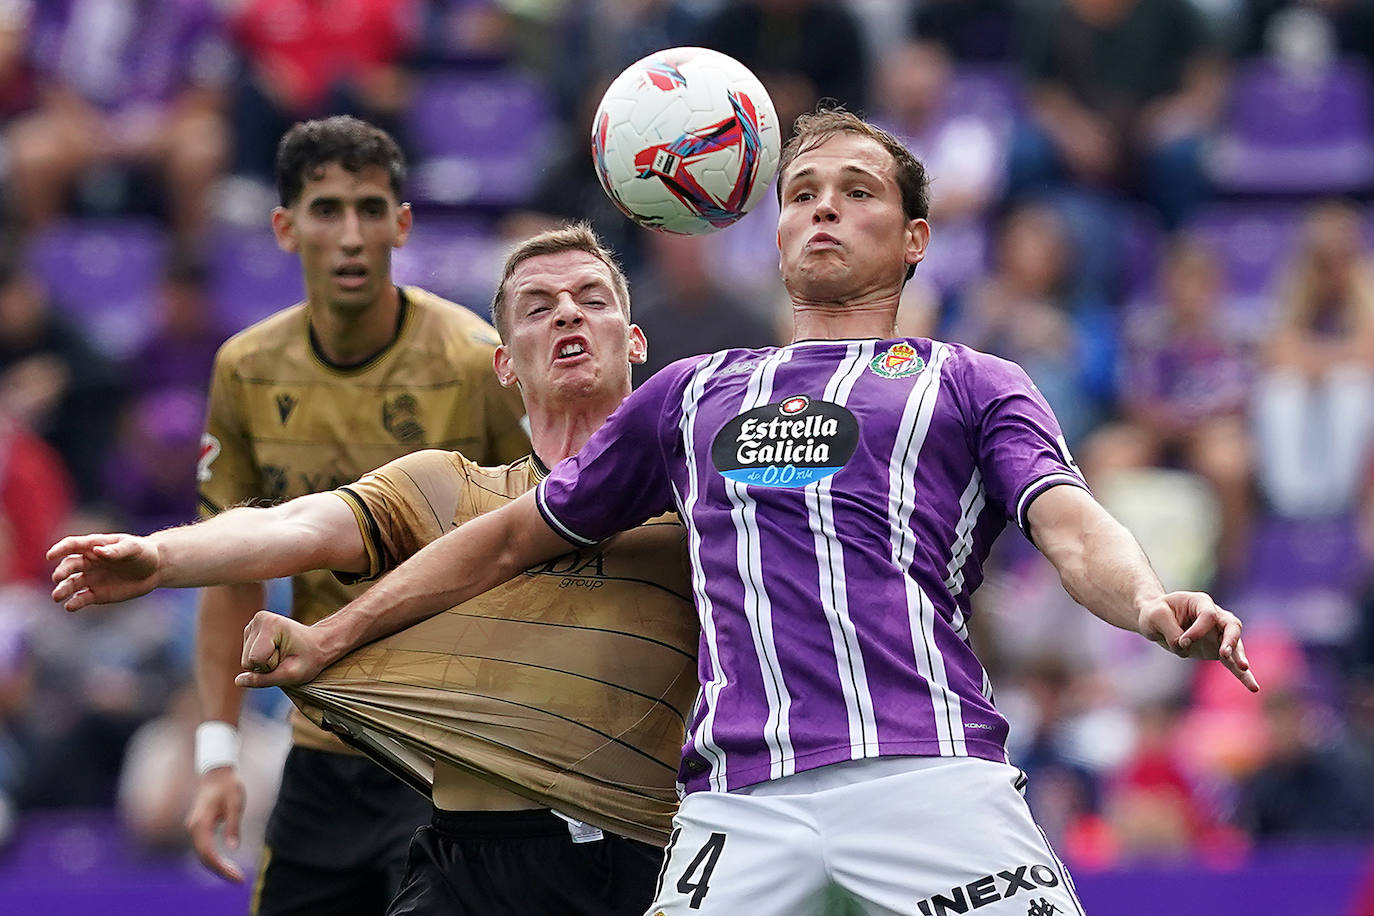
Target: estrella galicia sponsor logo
792,443
897,361
1003,885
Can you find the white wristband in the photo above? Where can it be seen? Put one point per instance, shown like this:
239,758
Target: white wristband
217,745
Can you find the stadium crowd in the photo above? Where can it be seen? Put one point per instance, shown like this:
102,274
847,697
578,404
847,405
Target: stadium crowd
1158,207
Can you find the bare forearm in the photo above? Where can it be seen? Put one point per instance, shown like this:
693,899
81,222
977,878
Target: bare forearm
1100,563
251,545
224,612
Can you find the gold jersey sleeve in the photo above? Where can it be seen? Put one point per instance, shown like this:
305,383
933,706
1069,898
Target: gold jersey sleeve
571,685
283,422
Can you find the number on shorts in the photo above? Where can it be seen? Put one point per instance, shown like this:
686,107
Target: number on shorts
705,860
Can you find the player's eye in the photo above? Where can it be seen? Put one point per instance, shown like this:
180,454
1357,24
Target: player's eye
802,197
860,193
324,210
374,209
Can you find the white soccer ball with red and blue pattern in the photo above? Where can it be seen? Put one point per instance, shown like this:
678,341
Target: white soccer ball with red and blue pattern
686,141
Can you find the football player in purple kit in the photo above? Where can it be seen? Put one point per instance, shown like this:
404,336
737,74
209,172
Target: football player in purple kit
840,494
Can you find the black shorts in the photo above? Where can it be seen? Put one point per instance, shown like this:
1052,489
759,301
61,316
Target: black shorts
336,841
517,863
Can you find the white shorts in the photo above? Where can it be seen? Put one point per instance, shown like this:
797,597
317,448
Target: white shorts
927,836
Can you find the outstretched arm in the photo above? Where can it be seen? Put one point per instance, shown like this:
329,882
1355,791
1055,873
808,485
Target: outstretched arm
1103,568
242,545
461,565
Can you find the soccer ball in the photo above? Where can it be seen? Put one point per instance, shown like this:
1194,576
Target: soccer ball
685,141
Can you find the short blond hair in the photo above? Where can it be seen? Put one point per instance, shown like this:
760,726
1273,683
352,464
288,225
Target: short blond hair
573,237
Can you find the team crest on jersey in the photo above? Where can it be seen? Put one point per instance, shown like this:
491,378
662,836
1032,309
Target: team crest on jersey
791,443
209,451
401,418
897,361
285,404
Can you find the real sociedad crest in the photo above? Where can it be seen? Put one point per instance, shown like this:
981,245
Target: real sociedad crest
897,361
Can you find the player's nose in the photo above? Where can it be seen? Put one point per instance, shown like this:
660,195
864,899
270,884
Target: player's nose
566,310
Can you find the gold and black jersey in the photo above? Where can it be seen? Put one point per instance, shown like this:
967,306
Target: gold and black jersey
283,422
570,685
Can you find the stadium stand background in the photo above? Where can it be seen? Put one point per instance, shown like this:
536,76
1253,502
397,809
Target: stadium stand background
1172,235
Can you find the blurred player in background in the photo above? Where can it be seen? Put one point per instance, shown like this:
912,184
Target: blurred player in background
840,494
360,373
570,685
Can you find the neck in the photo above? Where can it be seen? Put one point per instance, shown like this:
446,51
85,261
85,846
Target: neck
816,320
350,337
558,430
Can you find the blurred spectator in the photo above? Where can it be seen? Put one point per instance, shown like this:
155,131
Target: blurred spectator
1311,33
122,84
802,51
19,606
98,677
1025,311
158,778
312,58
965,151
1155,808
1314,413
1121,94
52,380
685,311
1308,787
610,35
1062,789
35,498
1186,381
181,349
151,472
968,31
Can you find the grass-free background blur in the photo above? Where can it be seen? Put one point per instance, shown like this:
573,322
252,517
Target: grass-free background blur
1158,207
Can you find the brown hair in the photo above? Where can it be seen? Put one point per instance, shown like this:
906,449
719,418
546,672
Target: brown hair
815,127
572,237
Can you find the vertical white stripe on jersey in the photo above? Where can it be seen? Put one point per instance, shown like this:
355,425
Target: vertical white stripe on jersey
758,607
834,592
902,500
970,507
703,738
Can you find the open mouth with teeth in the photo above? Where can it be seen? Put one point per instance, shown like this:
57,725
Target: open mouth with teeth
571,350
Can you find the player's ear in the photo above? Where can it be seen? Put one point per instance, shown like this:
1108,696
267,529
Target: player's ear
405,218
917,238
505,373
639,345
284,228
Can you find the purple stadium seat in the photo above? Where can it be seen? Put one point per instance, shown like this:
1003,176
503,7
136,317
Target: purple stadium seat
250,277
479,139
1292,133
456,259
1254,242
104,274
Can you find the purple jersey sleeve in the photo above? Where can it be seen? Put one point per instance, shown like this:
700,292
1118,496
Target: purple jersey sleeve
620,478
1020,447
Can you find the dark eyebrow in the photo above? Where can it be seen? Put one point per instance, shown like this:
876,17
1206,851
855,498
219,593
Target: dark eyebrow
807,171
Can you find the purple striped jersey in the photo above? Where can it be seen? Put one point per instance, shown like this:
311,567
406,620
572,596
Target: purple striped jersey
840,498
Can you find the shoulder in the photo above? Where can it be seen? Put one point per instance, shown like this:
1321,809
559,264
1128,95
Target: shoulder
976,368
460,325
266,338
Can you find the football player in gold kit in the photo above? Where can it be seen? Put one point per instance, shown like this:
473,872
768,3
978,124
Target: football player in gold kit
360,373
566,689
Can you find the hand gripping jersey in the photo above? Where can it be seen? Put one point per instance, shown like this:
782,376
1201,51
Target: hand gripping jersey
840,498
570,685
283,422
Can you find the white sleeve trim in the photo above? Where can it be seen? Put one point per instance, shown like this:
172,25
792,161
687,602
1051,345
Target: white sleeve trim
563,530
1038,486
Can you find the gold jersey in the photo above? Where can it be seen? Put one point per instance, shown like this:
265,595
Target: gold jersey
284,422
570,685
